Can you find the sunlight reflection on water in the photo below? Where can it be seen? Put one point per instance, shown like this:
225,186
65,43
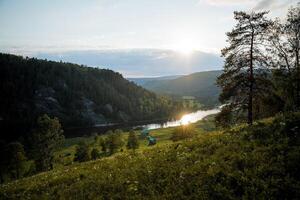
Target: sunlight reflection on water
185,119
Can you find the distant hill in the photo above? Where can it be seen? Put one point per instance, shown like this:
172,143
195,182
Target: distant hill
201,85
77,95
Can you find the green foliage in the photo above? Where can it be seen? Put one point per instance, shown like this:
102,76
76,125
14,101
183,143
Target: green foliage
183,132
45,139
16,159
113,142
246,162
103,144
132,141
95,154
82,152
285,39
13,162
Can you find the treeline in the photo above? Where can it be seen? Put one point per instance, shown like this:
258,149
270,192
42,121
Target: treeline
77,95
261,74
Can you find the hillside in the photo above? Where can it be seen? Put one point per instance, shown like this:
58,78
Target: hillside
201,85
77,95
244,162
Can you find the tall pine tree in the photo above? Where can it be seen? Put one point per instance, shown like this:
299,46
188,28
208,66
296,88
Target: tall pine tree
244,78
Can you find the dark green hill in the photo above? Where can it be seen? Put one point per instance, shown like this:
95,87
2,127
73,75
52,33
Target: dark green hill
201,85
246,162
77,95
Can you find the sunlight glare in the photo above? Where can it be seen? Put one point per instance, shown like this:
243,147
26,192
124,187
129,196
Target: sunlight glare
185,44
185,119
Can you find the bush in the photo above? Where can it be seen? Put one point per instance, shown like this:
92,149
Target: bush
82,153
95,154
183,132
132,142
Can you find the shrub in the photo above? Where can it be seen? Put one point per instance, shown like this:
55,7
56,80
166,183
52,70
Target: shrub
183,132
82,153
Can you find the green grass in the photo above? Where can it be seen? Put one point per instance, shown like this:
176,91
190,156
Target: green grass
65,155
258,162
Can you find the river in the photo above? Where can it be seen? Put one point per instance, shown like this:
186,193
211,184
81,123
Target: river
185,119
102,128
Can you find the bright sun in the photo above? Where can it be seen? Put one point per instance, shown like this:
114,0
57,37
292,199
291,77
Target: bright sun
185,44
185,119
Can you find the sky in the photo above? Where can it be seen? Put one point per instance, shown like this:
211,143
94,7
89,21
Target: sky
134,37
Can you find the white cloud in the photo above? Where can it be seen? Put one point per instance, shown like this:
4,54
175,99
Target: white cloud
255,4
225,2
273,4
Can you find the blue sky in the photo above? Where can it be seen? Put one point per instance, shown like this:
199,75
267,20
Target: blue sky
142,30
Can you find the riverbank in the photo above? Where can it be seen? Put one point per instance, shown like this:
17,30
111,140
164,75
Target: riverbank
149,124
65,154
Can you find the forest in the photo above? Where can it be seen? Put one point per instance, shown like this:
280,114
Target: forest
79,96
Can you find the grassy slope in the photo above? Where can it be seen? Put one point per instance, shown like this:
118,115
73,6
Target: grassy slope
259,162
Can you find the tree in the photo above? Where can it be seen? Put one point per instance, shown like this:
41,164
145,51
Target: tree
285,48
95,154
132,142
3,160
17,159
103,143
45,138
82,152
244,78
113,142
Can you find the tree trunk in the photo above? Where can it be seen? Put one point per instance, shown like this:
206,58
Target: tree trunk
298,81
251,80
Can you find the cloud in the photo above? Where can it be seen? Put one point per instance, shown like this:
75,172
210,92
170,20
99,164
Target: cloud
141,62
225,2
273,4
255,4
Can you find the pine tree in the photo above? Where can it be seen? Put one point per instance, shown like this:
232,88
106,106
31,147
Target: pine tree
285,49
17,159
45,138
113,142
132,142
244,78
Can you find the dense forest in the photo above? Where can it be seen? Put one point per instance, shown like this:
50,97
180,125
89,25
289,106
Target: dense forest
77,95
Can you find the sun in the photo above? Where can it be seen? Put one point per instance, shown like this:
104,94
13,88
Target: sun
185,49
185,119
185,44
